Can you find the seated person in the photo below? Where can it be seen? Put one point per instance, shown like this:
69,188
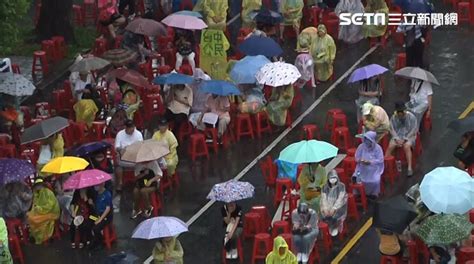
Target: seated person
334,203
403,128
4,250
421,99
86,110
168,250
465,151
312,178
81,207
84,79
440,254
253,100
164,134
279,104
375,119
220,106
147,179
280,253
103,213
185,45
305,231
232,221
44,212
179,99
109,22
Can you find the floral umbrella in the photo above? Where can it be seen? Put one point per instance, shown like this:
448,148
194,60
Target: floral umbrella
231,191
161,226
444,229
12,170
15,84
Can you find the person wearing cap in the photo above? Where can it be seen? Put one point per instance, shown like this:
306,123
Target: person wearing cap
305,231
334,203
403,128
375,119
164,134
369,92
370,164
280,254
304,61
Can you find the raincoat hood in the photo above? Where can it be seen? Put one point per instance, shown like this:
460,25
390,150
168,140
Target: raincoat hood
333,175
371,135
278,243
304,42
322,28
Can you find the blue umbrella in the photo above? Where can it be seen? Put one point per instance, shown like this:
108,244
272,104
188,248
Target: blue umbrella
12,170
256,45
218,87
89,148
173,78
245,69
366,72
189,13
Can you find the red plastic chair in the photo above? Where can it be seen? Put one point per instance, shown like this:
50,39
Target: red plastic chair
261,247
110,235
310,131
330,118
262,124
198,146
251,225
280,227
244,126
326,237
283,188
362,196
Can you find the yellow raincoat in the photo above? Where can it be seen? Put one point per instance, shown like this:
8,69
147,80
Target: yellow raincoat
85,111
324,53
292,11
247,7
166,252
376,6
215,12
132,100
279,103
57,146
44,213
311,180
274,256
5,256
172,157
308,37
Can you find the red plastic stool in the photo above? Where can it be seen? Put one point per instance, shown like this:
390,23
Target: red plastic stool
78,15
292,201
164,69
338,120
427,122
311,131
60,47
198,146
8,151
244,126
48,47
390,170
349,165
326,237
280,227
351,152
15,226
280,184
110,235
4,139
464,254
343,177
329,117
156,203
97,130
352,211
15,248
471,215
16,68
401,61
251,225
185,130
41,58
266,166
262,124
314,257
389,259
361,190
212,131
341,138
240,252
261,247
265,218
100,46
412,251
464,12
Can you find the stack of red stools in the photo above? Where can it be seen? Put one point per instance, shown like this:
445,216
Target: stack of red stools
40,63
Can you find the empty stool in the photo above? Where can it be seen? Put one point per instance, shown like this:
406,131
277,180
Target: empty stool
280,227
39,57
251,225
464,254
311,131
349,165
341,138
329,117
198,146
100,46
326,237
262,124
390,170
110,235
351,152
464,12
279,192
59,46
265,219
338,120
244,126
412,251
352,211
401,61
261,247
343,177
361,190
48,47
97,130
389,259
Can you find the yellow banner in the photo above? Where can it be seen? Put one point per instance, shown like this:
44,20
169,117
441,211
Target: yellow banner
213,53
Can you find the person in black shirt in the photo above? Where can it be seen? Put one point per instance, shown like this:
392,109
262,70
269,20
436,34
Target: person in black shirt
232,221
185,49
147,178
465,151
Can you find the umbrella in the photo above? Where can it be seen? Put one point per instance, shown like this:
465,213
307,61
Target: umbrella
144,151
12,170
417,73
147,27
86,178
366,72
189,13
89,64
15,84
444,229
89,148
184,22
130,76
245,69
447,190
173,78
158,227
266,16
44,129
394,214
218,87
65,164
258,45
231,191
119,57
460,125
277,74
308,151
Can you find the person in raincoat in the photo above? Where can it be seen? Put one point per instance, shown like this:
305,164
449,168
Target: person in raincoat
279,104
292,11
5,256
252,99
369,91
403,128
52,148
44,212
215,12
375,28
375,119
304,61
312,178
248,6
421,98
370,164
167,136
334,203
324,53
308,34
131,101
168,250
280,253
350,33
305,231
86,111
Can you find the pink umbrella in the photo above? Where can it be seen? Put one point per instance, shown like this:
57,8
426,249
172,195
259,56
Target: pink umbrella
184,22
86,178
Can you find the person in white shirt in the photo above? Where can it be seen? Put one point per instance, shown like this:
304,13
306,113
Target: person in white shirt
84,79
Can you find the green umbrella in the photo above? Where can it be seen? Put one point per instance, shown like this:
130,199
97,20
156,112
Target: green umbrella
308,151
444,229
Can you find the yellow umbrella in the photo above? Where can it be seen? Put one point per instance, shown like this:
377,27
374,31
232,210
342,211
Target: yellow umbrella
64,165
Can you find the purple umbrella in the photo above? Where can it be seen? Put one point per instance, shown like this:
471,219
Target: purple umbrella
366,72
12,170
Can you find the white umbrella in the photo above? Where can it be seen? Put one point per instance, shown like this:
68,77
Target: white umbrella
277,74
158,227
15,84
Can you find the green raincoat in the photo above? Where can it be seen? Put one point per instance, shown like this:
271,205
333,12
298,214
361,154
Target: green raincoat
44,213
292,11
311,180
215,12
376,6
5,256
279,103
247,7
274,256
324,53
168,252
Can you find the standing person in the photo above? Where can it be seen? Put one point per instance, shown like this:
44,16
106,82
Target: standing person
147,179
351,33
5,256
370,164
280,254
279,104
414,44
372,28
103,214
465,151
421,99
375,118
304,62
305,231
292,11
248,6
82,205
334,203
312,178
168,250
324,53
215,12
220,106
179,100
232,221
164,134
403,128
369,92
185,50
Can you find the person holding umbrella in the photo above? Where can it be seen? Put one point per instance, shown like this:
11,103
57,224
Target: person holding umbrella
147,178
312,178
292,11
370,164
168,250
421,99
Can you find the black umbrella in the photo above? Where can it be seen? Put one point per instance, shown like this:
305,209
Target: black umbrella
462,125
87,149
44,129
266,16
394,214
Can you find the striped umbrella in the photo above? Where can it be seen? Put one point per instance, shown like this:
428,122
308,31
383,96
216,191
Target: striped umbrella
119,57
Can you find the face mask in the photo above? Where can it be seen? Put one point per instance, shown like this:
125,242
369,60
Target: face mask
96,188
333,181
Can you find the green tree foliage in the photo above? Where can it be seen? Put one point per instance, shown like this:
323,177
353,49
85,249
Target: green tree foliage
10,12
